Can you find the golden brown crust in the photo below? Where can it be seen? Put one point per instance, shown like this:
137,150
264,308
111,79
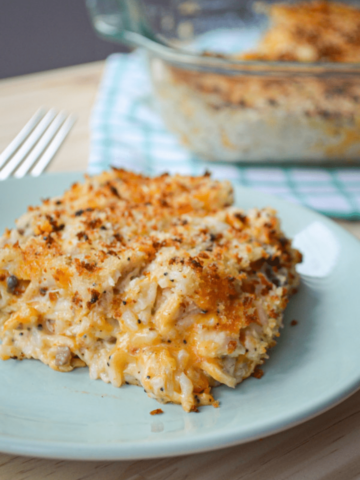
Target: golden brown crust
314,31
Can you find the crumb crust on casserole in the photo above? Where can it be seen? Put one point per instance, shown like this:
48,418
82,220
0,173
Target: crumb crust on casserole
310,31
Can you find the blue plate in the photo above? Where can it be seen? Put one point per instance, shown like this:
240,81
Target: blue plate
314,366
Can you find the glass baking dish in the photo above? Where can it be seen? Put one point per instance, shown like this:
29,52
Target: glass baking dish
226,109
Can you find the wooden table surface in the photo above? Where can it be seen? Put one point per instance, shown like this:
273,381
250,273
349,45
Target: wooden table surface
327,447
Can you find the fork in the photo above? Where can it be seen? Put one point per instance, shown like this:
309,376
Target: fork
36,144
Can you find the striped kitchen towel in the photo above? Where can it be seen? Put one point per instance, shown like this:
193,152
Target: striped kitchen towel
126,131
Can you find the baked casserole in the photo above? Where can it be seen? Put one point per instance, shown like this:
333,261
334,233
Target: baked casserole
293,97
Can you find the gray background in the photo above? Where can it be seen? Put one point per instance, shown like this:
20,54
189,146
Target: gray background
38,35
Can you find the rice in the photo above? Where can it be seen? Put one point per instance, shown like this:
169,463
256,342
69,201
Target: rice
157,282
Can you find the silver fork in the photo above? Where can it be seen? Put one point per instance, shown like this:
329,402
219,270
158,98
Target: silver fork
36,144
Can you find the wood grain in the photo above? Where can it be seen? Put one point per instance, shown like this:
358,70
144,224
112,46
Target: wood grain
325,448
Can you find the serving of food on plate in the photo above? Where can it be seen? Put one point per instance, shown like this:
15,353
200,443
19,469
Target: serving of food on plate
159,282
165,283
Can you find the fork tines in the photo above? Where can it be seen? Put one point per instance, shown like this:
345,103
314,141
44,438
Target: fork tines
36,144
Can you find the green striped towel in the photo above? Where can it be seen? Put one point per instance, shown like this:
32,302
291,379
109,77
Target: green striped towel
126,131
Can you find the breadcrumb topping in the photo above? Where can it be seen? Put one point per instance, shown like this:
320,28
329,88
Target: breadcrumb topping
312,31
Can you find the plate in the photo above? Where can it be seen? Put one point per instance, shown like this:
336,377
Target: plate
314,366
